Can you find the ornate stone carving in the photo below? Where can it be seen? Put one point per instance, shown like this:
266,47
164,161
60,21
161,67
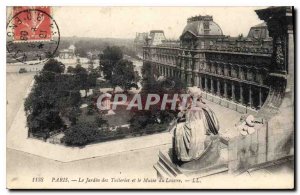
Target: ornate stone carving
279,55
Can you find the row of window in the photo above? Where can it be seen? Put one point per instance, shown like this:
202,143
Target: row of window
243,73
173,59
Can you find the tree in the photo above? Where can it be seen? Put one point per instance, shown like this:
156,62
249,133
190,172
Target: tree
91,65
124,75
150,121
101,122
81,134
70,69
44,77
53,97
43,116
73,115
154,119
109,59
92,78
79,69
90,109
81,77
53,65
74,98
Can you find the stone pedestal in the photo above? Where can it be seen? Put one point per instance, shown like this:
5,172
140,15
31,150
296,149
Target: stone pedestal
212,161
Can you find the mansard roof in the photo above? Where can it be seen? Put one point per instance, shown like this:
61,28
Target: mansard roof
202,26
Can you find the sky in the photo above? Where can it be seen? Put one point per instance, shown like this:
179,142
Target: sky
124,22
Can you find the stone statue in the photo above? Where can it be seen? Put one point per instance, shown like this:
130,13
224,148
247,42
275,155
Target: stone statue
195,123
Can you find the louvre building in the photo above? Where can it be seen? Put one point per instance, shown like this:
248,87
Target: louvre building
231,71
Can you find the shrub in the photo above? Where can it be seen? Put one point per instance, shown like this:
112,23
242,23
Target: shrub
80,134
90,109
100,122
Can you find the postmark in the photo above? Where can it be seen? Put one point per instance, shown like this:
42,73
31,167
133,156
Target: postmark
32,35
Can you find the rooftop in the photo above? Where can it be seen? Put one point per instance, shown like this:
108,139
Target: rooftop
202,25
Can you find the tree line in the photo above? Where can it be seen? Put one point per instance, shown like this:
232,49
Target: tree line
54,102
55,98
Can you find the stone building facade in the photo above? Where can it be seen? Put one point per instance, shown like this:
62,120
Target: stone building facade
231,71
67,53
254,72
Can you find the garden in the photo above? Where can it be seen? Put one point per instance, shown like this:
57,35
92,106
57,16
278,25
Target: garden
63,101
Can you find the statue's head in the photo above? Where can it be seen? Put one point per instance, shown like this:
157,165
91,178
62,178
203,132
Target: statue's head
195,93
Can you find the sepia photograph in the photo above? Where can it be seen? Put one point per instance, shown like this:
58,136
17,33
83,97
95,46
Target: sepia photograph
144,97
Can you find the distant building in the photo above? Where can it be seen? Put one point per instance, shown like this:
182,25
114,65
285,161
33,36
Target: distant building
67,53
230,70
259,31
251,75
156,37
94,54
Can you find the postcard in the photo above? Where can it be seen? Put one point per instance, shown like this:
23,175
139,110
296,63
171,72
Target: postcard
150,97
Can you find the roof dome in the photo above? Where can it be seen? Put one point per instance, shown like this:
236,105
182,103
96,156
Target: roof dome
202,25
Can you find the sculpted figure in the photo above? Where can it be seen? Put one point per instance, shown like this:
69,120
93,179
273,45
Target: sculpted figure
194,124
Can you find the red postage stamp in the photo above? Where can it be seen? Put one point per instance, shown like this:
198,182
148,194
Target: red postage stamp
32,34
32,23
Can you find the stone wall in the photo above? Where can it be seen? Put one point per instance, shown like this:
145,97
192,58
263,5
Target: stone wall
271,142
247,151
281,131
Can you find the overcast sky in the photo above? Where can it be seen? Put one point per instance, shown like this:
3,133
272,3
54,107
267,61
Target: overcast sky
124,22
